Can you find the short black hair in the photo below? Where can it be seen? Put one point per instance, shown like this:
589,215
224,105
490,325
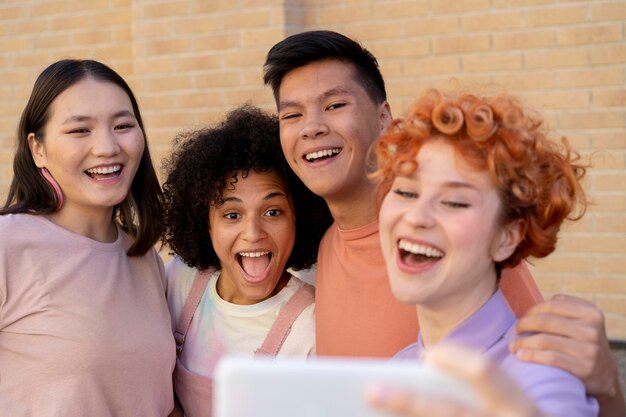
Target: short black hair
206,161
305,48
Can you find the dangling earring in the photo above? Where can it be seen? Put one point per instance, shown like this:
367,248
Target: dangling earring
58,194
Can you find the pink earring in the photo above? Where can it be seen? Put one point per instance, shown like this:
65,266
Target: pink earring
55,186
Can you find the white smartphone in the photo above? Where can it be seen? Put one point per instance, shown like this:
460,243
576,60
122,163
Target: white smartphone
322,387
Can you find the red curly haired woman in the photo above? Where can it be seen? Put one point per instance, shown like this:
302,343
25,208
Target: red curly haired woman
472,185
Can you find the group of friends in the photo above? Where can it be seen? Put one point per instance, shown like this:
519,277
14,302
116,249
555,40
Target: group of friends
418,229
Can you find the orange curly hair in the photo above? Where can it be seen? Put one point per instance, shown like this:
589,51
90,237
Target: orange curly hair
538,180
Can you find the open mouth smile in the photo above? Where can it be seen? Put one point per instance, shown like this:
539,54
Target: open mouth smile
322,155
104,172
413,253
254,264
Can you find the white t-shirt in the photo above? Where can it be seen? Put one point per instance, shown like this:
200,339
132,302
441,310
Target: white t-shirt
219,327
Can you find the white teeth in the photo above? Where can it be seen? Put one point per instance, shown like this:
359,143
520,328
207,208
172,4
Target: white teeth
253,254
105,170
419,249
320,154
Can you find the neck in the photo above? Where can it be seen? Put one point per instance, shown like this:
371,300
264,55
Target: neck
355,210
99,227
437,320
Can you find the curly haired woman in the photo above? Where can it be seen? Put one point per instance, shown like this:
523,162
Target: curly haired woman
237,218
473,185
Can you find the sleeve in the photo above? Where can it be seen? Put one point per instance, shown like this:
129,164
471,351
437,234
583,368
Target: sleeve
556,393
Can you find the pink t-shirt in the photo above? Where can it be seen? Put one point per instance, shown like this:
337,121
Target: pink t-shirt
356,312
84,328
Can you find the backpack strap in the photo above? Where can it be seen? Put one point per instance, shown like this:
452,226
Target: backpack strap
304,296
198,288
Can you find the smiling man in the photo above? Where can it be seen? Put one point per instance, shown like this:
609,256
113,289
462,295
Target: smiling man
332,107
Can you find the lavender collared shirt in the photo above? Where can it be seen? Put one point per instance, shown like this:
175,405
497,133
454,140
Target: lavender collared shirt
490,330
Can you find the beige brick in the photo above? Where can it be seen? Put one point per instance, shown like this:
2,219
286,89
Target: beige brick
213,42
562,58
492,21
344,14
547,284
162,46
433,25
559,15
194,99
591,120
614,10
609,140
170,118
590,34
164,9
152,30
611,304
559,99
564,263
198,62
613,264
217,79
13,11
253,95
155,64
400,9
610,54
527,80
246,19
244,57
519,3
458,44
113,18
432,65
492,62
570,229
596,244
609,98
391,68
615,327
192,25
47,8
169,82
377,30
614,222
603,160
203,6
468,82
458,6
252,77
609,182
589,284
91,37
261,37
404,48
591,77
87,6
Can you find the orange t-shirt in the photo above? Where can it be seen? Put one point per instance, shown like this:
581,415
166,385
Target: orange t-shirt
356,312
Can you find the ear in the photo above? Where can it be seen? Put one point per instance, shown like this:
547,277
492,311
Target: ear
37,151
384,111
506,240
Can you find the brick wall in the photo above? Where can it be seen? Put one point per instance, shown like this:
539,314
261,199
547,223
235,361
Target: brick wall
190,61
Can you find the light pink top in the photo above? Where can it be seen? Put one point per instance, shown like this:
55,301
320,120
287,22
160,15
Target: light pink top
84,329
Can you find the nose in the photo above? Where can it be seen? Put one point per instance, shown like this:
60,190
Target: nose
105,143
420,215
253,230
314,127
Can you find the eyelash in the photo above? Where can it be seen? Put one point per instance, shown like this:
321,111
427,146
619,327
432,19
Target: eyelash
412,195
405,194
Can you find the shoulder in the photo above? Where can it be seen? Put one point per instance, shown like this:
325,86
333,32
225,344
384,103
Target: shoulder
179,278
555,391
